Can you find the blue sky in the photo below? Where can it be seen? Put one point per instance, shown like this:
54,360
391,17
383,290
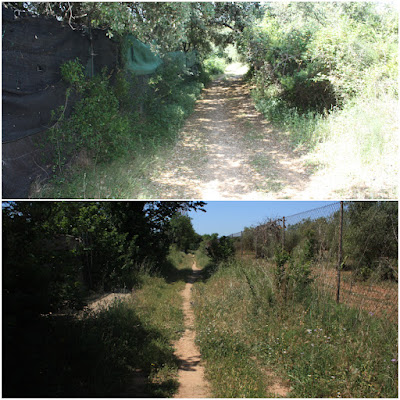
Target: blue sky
227,217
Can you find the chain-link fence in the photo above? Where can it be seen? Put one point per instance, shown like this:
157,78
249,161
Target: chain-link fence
351,248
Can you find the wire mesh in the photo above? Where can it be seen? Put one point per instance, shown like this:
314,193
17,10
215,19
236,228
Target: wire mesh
367,265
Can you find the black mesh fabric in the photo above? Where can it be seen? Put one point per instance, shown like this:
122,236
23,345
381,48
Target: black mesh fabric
33,49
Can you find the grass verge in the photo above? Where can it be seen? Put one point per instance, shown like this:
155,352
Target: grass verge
356,147
101,354
253,342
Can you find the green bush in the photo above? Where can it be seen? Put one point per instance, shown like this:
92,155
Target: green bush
214,65
321,55
220,249
96,124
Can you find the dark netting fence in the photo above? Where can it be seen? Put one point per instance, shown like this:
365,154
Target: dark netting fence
33,50
352,251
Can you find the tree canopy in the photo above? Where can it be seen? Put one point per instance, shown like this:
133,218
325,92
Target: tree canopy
171,25
55,252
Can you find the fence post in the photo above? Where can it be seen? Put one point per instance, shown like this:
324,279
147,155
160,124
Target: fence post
283,233
340,255
241,243
256,240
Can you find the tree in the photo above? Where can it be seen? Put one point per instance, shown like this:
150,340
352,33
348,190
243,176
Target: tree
55,252
219,249
181,233
370,238
194,25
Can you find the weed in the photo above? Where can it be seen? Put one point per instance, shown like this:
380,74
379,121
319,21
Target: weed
98,354
322,349
260,162
121,129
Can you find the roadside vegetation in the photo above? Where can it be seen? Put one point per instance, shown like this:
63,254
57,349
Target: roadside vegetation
327,73
267,327
252,341
58,256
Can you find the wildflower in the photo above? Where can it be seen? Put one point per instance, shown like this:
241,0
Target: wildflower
371,313
312,344
309,330
393,360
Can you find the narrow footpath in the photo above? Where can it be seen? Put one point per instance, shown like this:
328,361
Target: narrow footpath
192,383
228,150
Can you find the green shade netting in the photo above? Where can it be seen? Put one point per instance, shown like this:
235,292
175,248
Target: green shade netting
142,61
139,58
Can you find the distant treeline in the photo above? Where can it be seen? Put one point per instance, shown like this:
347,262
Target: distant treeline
370,242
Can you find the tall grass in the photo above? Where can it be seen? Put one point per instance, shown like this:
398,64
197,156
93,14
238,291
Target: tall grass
101,354
356,145
251,338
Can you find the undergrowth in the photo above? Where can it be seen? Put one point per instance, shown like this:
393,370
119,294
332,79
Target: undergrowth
357,144
105,148
252,337
99,354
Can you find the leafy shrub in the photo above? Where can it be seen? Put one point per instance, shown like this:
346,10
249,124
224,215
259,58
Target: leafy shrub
321,55
214,65
73,72
95,125
220,249
370,240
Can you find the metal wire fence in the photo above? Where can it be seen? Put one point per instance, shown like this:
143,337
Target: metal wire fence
351,248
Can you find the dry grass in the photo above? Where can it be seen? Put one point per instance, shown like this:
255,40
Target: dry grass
253,343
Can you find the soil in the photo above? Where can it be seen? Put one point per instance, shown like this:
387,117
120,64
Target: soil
227,150
192,383
379,299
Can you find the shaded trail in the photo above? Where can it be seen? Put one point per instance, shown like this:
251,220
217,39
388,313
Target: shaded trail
192,383
227,150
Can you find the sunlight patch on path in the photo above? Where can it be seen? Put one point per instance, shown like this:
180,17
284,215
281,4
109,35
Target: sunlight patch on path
227,150
236,69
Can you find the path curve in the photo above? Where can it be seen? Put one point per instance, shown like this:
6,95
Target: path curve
227,150
192,383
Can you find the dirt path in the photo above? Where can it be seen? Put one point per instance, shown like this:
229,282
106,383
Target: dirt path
192,383
227,150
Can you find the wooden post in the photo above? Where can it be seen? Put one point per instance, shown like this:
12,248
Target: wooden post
340,255
283,233
256,239
241,243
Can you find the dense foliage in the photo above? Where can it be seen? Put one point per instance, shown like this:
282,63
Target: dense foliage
182,233
370,242
319,55
219,248
55,253
195,24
